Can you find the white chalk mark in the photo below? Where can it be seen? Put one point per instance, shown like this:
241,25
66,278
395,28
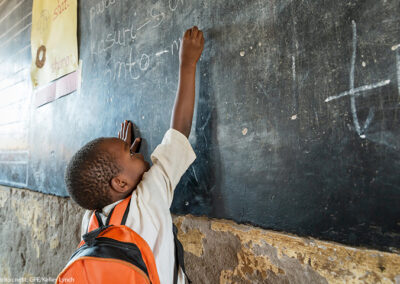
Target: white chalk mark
368,121
395,47
294,68
15,25
17,33
194,173
175,44
143,25
12,10
14,162
14,152
357,91
354,92
161,52
398,70
353,62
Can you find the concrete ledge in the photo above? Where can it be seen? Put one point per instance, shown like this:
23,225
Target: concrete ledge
39,233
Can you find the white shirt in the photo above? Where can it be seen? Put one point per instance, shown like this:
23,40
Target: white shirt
149,214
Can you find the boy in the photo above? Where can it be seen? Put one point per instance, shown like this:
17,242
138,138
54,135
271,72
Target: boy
107,170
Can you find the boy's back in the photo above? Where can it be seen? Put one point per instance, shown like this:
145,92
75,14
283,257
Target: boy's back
149,214
107,170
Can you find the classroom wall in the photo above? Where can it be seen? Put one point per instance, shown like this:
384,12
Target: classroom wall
39,233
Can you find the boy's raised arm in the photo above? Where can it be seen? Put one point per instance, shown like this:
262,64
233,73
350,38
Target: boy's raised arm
190,52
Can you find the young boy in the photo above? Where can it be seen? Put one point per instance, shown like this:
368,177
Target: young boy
107,170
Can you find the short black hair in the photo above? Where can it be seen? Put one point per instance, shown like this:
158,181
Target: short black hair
89,173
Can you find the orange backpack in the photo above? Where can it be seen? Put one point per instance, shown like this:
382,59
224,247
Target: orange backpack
111,253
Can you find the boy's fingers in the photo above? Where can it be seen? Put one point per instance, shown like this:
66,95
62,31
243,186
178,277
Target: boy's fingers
136,144
187,33
195,31
123,131
200,34
129,130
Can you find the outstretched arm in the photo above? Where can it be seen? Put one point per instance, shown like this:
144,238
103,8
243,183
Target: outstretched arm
190,52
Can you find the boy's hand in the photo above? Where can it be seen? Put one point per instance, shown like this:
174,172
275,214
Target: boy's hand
126,134
191,47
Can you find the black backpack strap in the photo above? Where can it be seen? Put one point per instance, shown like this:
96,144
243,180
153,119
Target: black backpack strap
98,217
109,216
179,256
90,237
123,221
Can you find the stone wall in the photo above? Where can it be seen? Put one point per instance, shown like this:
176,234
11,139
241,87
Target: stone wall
39,233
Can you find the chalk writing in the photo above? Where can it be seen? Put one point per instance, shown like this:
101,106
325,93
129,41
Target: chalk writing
157,18
121,37
175,45
132,68
354,92
99,9
131,64
173,4
161,52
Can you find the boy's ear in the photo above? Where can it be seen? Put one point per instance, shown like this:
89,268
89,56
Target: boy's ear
119,184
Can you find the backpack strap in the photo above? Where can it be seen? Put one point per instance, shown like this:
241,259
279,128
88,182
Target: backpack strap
179,256
95,221
119,214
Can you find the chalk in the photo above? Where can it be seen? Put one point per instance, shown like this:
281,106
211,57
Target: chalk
395,47
13,26
294,68
244,131
242,53
139,28
14,162
354,92
17,33
398,70
12,10
161,52
369,119
357,91
353,62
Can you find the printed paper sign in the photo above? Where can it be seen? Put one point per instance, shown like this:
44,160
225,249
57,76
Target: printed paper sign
53,40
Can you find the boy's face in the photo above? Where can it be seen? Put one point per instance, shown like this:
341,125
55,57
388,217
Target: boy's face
133,164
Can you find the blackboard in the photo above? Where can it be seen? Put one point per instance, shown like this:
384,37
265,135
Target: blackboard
296,126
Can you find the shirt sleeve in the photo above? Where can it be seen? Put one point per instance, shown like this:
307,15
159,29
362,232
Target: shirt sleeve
170,160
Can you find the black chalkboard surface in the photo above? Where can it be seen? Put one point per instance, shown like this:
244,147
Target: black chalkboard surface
296,125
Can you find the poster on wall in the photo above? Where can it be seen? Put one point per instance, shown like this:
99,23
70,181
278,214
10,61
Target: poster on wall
54,46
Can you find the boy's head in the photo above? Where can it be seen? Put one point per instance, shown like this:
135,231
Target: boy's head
103,171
